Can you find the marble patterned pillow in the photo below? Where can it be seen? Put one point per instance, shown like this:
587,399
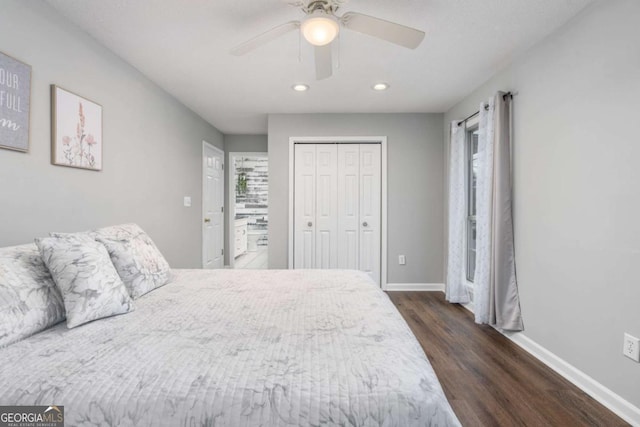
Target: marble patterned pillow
136,258
89,283
29,299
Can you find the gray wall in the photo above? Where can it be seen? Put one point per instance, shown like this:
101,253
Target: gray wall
415,185
152,144
237,144
576,175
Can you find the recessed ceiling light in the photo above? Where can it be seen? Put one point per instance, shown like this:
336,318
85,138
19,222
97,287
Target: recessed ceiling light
380,86
300,87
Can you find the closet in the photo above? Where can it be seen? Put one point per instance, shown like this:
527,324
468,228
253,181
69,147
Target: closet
337,206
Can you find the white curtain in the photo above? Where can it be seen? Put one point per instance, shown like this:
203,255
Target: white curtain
496,299
456,290
484,190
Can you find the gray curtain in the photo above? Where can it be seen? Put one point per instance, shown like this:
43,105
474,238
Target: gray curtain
504,301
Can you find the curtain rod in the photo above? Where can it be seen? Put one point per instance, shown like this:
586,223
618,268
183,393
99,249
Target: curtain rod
486,107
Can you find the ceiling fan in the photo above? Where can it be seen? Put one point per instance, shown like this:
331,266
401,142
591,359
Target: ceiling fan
321,26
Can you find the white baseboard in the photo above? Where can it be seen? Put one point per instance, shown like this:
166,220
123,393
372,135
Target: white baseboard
469,306
425,287
614,402
617,404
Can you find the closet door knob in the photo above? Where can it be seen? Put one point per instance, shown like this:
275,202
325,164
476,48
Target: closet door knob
309,224
364,224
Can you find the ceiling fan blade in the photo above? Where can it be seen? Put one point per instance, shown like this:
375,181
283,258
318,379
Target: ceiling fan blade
385,30
265,38
324,63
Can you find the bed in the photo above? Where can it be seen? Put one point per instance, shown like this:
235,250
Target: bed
235,348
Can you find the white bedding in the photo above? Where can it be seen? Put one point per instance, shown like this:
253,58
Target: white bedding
235,348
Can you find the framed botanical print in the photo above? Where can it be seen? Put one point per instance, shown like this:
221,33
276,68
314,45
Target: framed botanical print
76,130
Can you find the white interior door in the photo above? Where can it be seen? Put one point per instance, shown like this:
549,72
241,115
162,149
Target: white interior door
212,207
337,207
305,206
326,228
348,206
370,191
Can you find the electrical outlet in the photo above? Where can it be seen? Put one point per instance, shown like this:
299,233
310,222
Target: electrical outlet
401,260
187,202
631,347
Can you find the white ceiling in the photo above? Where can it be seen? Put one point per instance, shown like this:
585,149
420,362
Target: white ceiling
184,46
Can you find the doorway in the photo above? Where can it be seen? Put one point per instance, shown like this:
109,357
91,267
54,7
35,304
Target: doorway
248,213
212,206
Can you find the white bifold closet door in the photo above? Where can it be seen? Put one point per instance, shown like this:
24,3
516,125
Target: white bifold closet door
337,207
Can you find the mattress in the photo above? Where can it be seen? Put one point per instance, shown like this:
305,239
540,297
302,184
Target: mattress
235,348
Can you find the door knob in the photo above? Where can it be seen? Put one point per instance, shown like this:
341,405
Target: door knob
364,224
207,220
309,224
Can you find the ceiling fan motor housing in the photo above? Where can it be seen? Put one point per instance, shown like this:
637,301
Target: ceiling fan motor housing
326,6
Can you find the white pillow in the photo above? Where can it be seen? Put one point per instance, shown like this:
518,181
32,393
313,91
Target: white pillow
89,283
29,299
136,258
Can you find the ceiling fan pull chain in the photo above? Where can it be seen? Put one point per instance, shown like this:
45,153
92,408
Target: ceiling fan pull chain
299,46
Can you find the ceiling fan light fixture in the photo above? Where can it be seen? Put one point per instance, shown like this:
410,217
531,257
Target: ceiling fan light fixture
320,29
300,87
379,87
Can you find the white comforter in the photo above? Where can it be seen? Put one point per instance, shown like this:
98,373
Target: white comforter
235,348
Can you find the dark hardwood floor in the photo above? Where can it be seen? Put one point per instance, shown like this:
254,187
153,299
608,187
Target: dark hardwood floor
489,380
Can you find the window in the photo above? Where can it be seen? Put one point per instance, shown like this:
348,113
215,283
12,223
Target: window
471,174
